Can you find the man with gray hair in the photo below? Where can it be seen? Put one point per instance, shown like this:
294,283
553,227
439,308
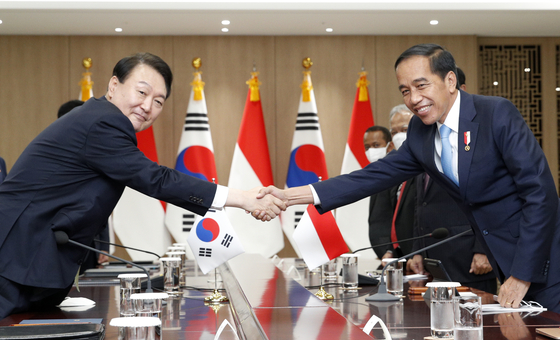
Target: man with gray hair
391,213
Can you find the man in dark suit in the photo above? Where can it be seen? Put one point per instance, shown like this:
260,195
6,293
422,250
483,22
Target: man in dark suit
391,216
491,165
92,260
464,258
70,177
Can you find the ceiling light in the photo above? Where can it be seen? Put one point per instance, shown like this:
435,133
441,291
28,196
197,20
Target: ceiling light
0,21
527,69
225,22
329,30
225,29
558,89
495,83
434,22
118,29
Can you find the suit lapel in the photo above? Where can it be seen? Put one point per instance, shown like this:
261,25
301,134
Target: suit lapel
466,125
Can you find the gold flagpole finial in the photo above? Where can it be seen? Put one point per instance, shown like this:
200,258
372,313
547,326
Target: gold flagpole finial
87,63
306,85
197,63
254,84
86,83
307,63
362,84
197,83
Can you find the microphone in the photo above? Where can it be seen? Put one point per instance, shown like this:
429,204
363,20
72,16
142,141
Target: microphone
437,234
62,238
120,245
382,294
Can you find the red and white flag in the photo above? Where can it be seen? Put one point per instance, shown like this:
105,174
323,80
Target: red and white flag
251,168
353,218
213,240
318,238
195,157
307,159
138,218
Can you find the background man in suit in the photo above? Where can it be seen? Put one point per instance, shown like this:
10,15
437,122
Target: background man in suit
70,177
491,165
391,216
464,258
3,171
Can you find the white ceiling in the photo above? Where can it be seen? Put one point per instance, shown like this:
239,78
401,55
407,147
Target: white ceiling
312,17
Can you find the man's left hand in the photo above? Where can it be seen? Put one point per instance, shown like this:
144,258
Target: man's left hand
512,292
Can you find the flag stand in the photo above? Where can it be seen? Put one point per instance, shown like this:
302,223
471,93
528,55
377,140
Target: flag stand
322,294
216,297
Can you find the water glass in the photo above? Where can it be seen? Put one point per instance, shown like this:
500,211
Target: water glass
441,308
394,274
329,270
350,271
136,328
183,256
468,317
171,274
130,284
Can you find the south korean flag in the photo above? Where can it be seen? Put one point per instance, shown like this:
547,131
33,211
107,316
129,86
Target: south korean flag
213,240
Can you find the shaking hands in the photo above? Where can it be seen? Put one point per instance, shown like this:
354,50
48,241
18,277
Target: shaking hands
262,206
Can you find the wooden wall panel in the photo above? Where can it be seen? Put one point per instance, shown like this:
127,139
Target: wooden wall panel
33,83
227,63
389,48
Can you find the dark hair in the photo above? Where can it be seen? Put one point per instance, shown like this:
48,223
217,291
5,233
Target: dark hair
384,130
460,77
126,65
441,61
68,106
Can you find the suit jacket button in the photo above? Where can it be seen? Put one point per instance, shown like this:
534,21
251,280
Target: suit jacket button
485,232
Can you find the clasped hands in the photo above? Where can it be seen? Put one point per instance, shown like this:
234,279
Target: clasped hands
264,203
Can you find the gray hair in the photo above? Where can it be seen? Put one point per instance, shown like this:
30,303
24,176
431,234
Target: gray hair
399,108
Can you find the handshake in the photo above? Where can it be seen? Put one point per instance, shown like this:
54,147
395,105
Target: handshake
266,203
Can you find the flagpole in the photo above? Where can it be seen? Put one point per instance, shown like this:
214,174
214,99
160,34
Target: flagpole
216,297
322,294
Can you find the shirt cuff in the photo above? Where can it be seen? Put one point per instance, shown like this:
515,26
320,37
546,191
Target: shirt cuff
316,200
220,197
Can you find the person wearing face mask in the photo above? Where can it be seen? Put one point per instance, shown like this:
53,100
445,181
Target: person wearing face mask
376,141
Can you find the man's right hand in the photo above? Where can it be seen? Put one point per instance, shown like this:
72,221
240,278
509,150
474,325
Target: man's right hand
415,265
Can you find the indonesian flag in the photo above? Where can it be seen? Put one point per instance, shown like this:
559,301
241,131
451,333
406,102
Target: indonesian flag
318,238
251,168
307,158
213,240
138,218
353,218
195,157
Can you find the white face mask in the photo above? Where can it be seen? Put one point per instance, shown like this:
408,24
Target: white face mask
374,154
398,139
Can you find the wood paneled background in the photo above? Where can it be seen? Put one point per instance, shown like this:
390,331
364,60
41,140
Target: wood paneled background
39,73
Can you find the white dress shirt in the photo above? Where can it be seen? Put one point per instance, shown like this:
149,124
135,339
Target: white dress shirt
452,122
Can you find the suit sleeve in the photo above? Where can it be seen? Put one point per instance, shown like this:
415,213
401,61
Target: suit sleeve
393,169
111,150
529,169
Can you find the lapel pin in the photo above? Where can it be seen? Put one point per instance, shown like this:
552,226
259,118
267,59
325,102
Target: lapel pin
467,138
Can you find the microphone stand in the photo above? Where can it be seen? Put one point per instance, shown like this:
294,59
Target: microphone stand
149,282
382,294
120,245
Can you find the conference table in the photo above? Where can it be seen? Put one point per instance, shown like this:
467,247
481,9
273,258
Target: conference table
274,299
